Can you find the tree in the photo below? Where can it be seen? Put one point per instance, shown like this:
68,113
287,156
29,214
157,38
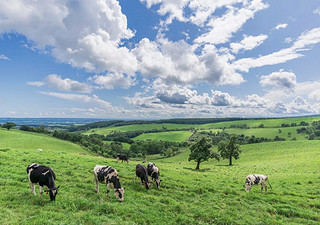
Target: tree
200,152
9,125
229,149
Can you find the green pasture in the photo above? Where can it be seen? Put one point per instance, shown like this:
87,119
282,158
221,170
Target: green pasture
153,126
284,132
213,195
175,136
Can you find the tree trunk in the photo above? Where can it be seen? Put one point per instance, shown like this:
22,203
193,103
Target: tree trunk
198,165
230,161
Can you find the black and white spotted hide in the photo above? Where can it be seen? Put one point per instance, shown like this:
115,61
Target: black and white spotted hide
154,173
256,179
108,175
44,176
141,172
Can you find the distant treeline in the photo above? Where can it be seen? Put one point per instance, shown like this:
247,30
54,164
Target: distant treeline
313,131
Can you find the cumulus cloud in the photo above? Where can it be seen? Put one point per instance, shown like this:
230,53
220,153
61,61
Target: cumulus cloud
248,43
85,34
279,79
302,43
281,26
55,81
114,80
177,62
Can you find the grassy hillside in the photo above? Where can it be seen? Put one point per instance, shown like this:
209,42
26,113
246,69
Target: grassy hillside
176,136
212,195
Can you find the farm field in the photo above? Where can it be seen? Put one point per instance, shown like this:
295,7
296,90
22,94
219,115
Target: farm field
213,195
175,136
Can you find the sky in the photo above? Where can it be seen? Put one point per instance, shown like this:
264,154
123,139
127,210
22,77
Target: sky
156,59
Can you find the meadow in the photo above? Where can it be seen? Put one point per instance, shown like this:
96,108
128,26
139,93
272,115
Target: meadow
212,195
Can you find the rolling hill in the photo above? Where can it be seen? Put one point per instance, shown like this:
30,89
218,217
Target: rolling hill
186,196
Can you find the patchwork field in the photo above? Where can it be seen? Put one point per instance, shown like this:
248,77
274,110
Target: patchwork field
213,195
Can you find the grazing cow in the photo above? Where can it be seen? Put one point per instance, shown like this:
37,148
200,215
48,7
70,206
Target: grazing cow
123,157
141,172
154,173
44,176
107,175
256,179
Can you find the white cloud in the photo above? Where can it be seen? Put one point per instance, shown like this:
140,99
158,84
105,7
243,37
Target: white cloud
281,26
177,62
55,81
222,28
114,80
85,34
248,43
305,40
36,83
4,57
279,79
317,11
81,98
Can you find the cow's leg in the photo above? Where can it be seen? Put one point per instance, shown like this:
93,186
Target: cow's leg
265,187
261,187
41,191
107,189
141,181
33,187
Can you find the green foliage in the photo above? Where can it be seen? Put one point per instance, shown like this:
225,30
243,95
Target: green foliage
9,125
229,149
200,152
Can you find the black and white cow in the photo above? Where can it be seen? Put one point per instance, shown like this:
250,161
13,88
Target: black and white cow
44,176
154,173
107,175
123,157
256,179
141,172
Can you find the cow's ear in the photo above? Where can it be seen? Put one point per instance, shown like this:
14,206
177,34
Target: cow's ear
161,180
58,187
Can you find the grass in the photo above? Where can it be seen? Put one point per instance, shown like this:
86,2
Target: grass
213,195
175,136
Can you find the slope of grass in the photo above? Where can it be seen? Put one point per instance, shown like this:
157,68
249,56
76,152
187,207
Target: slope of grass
175,136
213,195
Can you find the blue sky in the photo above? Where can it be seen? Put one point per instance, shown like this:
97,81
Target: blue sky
149,59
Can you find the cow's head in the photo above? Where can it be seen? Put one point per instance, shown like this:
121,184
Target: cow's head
119,193
148,185
247,187
158,182
53,193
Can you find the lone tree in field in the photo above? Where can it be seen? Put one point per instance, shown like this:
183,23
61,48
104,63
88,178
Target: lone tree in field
9,125
200,152
229,149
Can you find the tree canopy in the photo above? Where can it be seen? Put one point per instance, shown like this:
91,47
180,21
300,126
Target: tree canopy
229,149
9,125
200,152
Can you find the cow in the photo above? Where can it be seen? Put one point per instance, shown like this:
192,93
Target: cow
141,172
44,176
123,157
154,173
256,179
107,175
